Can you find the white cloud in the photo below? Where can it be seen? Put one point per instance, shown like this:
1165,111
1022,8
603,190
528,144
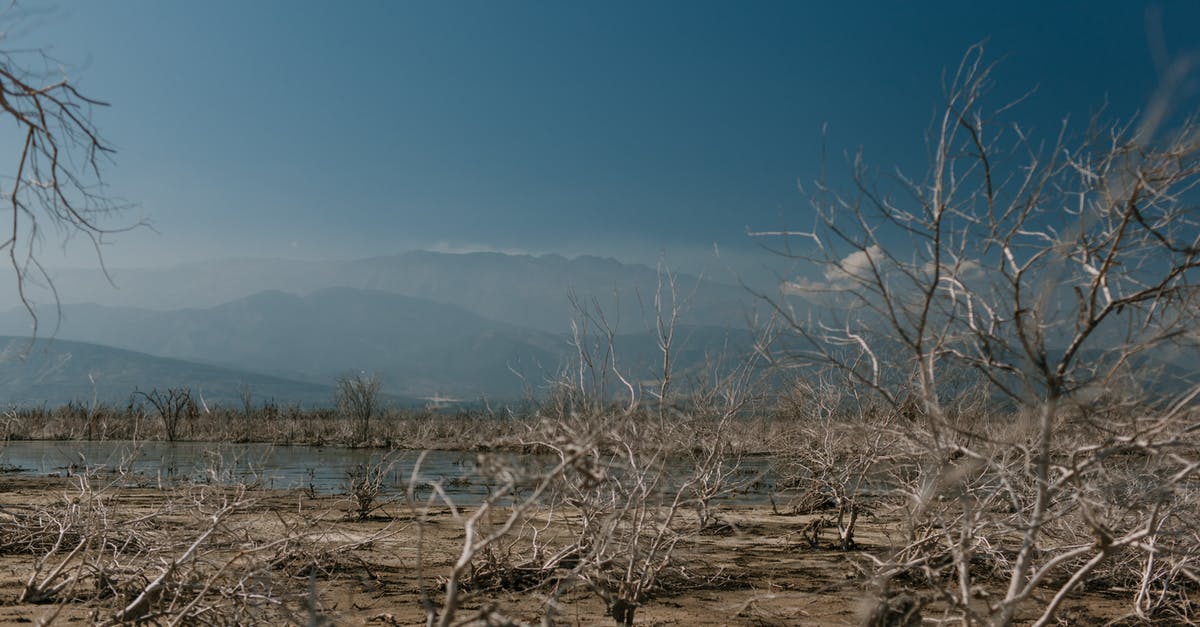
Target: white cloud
840,276
444,246
856,265
804,287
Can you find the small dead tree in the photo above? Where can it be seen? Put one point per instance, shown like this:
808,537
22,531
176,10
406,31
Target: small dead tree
837,464
246,392
175,407
365,484
715,408
584,385
666,318
357,401
624,509
515,493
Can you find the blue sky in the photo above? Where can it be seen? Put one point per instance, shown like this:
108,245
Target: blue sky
342,130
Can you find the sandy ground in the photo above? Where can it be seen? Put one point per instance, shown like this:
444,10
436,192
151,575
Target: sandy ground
757,570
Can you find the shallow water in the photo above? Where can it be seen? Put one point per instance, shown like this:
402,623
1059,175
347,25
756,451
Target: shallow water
320,469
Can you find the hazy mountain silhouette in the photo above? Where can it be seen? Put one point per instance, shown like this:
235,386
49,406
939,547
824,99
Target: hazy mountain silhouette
465,325
55,372
534,291
529,291
417,346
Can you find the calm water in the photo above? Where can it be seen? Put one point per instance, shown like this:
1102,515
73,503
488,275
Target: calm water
323,469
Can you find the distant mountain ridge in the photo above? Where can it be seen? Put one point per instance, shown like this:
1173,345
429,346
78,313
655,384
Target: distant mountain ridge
535,291
56,372
419,347
472,325
530,291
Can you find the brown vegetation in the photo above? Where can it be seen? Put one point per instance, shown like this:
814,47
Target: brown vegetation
603,531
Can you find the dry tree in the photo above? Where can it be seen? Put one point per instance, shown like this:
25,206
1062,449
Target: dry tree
365,484
516,491
54,172
175,408
607,511
357,397
1062,280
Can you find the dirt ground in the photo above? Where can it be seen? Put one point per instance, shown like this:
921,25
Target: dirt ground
755,569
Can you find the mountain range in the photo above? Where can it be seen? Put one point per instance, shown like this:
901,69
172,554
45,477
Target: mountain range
470,326
53,373
530,291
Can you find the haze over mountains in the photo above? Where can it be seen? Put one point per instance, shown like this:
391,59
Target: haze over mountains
429,324
61,371
521,289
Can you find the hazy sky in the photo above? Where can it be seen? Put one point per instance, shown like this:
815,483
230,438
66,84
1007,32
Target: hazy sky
341,130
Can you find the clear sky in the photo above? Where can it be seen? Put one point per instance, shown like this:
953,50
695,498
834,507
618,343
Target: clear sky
342,130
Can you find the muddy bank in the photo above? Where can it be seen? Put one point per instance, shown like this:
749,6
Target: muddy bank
753,566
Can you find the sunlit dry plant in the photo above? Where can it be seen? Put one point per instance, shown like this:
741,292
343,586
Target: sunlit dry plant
1061,278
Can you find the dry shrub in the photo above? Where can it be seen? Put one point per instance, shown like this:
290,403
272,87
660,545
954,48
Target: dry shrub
1023,308
193,553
